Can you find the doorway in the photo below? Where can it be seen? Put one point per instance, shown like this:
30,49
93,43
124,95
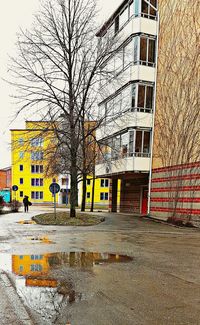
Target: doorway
144,207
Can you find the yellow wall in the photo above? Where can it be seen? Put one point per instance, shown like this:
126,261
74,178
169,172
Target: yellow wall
99,189
32,131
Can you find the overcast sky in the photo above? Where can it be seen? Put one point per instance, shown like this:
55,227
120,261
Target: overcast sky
13,15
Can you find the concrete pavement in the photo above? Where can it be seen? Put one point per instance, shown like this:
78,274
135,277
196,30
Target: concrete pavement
161,285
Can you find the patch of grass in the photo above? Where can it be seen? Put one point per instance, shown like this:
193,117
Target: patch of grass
63,219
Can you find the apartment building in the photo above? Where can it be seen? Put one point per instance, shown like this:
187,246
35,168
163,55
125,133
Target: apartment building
128,159
154,143
29,149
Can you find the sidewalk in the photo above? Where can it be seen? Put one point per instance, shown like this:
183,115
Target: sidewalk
12,310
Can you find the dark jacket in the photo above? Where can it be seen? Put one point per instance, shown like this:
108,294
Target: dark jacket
25,201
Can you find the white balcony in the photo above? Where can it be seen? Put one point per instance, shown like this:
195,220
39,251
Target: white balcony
128,164
138,25
124,121
131,73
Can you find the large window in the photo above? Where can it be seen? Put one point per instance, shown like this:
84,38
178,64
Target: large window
36,195
140,50
135,97
142,97
147,51
36,155
37,169
36,181
104,196
129,144
147,10
37,142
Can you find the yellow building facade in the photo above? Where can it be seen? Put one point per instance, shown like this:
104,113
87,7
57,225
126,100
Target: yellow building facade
101,193
29,149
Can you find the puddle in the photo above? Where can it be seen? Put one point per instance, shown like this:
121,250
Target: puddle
44,239
40,285
26,222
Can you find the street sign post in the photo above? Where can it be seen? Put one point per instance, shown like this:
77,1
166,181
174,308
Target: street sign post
15,189
54,188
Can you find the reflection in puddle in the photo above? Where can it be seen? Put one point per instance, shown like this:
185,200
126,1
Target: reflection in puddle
44,292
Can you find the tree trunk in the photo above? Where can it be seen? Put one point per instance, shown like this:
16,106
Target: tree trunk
93,188
73,196
84,192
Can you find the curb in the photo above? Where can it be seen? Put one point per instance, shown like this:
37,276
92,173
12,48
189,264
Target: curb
15,301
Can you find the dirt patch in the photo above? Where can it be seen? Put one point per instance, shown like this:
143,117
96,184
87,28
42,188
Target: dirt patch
63,219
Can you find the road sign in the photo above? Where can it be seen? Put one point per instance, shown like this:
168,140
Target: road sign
15,188
54,188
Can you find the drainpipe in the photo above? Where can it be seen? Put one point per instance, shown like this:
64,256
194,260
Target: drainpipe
154,110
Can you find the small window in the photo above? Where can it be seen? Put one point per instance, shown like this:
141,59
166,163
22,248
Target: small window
21,268
21,141
21,154
88,195
21,168
103,196
116,24
41,195
88,181
104,182
64,181
21,194
21,181
21,257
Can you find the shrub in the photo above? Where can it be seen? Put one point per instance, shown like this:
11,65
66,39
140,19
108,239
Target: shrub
14,205
175,221
189,224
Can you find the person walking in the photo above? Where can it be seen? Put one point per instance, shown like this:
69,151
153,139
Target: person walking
26,203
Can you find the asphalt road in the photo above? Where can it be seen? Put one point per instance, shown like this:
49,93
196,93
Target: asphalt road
126,270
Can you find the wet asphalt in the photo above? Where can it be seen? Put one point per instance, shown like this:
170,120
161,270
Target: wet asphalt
126,270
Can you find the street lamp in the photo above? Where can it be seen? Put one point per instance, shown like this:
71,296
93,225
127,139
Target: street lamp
154,105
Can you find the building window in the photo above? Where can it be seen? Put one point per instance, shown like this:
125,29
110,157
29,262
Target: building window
103,196
88,181
88,195
37,182
36,155
142,97
21,268
37,142
36,195
132,143
21,257
21,181
123,17
21,168
104,182
147,10
147,51
21,154
64,181
21,141
36,257
36,267
36,169
21,193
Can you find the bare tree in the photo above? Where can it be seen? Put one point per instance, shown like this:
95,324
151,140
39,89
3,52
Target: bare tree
56,73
